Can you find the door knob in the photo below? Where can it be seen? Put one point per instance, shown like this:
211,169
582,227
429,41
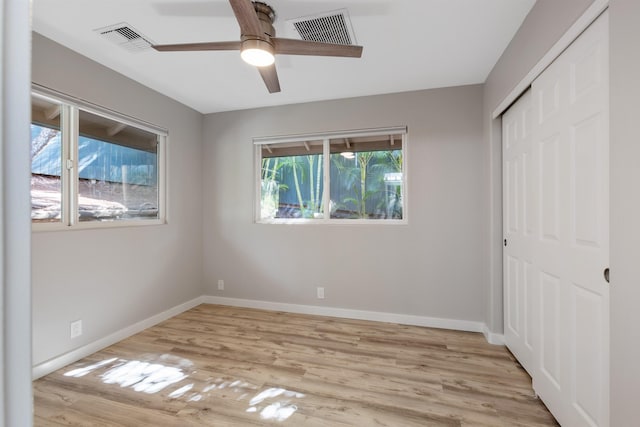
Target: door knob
606,274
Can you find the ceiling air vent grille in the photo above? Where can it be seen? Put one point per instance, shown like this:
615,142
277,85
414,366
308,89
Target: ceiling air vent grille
126,37
330,27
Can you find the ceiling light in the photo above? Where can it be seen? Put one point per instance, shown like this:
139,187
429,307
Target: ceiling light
348,155
257,52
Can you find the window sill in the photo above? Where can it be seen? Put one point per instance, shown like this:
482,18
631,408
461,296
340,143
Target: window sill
97,225
310,221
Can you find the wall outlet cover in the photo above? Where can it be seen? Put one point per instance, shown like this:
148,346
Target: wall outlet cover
76,329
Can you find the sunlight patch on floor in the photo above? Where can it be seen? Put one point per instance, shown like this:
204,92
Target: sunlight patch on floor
280,410
155,373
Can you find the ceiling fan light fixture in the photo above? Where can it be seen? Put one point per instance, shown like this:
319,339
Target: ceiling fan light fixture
258,53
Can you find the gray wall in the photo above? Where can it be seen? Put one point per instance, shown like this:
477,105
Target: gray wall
114,278
625,211
431,267
547,21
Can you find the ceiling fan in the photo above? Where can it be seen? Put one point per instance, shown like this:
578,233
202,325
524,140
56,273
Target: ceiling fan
258,42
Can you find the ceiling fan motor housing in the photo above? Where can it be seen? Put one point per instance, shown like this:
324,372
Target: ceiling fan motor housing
266,16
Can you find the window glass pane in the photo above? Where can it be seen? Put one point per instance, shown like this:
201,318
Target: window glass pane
46,162
292,186
365,175
366,184
117,170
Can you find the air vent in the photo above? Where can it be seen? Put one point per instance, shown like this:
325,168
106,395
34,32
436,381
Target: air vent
329,27
125,36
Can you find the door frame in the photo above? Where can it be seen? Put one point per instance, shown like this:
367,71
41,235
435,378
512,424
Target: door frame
16,402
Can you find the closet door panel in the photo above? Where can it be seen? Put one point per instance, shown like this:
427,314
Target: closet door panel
518,230
549,362
571,249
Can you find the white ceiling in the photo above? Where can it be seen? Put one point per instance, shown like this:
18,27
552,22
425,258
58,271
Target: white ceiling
408,45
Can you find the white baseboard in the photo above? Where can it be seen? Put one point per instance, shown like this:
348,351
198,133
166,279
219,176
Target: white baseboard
56,363
492,337
377,316
61,361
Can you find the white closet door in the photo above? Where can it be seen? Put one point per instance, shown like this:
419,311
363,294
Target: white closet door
571,244
519,228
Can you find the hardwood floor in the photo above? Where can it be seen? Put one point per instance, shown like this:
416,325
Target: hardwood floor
226,366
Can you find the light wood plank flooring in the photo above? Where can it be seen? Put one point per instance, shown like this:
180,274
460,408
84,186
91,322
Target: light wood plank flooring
226,366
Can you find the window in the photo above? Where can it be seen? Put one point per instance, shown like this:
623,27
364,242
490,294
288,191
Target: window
46,161
336,177
90,166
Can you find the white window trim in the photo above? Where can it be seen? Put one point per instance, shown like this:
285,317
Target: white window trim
326,137
90,107
70,107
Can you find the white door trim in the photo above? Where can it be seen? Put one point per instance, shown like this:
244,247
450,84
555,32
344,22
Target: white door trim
567,38
15,222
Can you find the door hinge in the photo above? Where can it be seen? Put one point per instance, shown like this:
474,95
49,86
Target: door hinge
505,242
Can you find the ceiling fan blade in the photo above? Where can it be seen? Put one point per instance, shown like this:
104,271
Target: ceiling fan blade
303,47
270,77
234,45
247,17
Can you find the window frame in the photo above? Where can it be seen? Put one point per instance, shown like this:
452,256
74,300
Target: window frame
69,128
326,137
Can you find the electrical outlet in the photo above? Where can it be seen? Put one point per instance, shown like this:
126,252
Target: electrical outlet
221,285
320,292
76,329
